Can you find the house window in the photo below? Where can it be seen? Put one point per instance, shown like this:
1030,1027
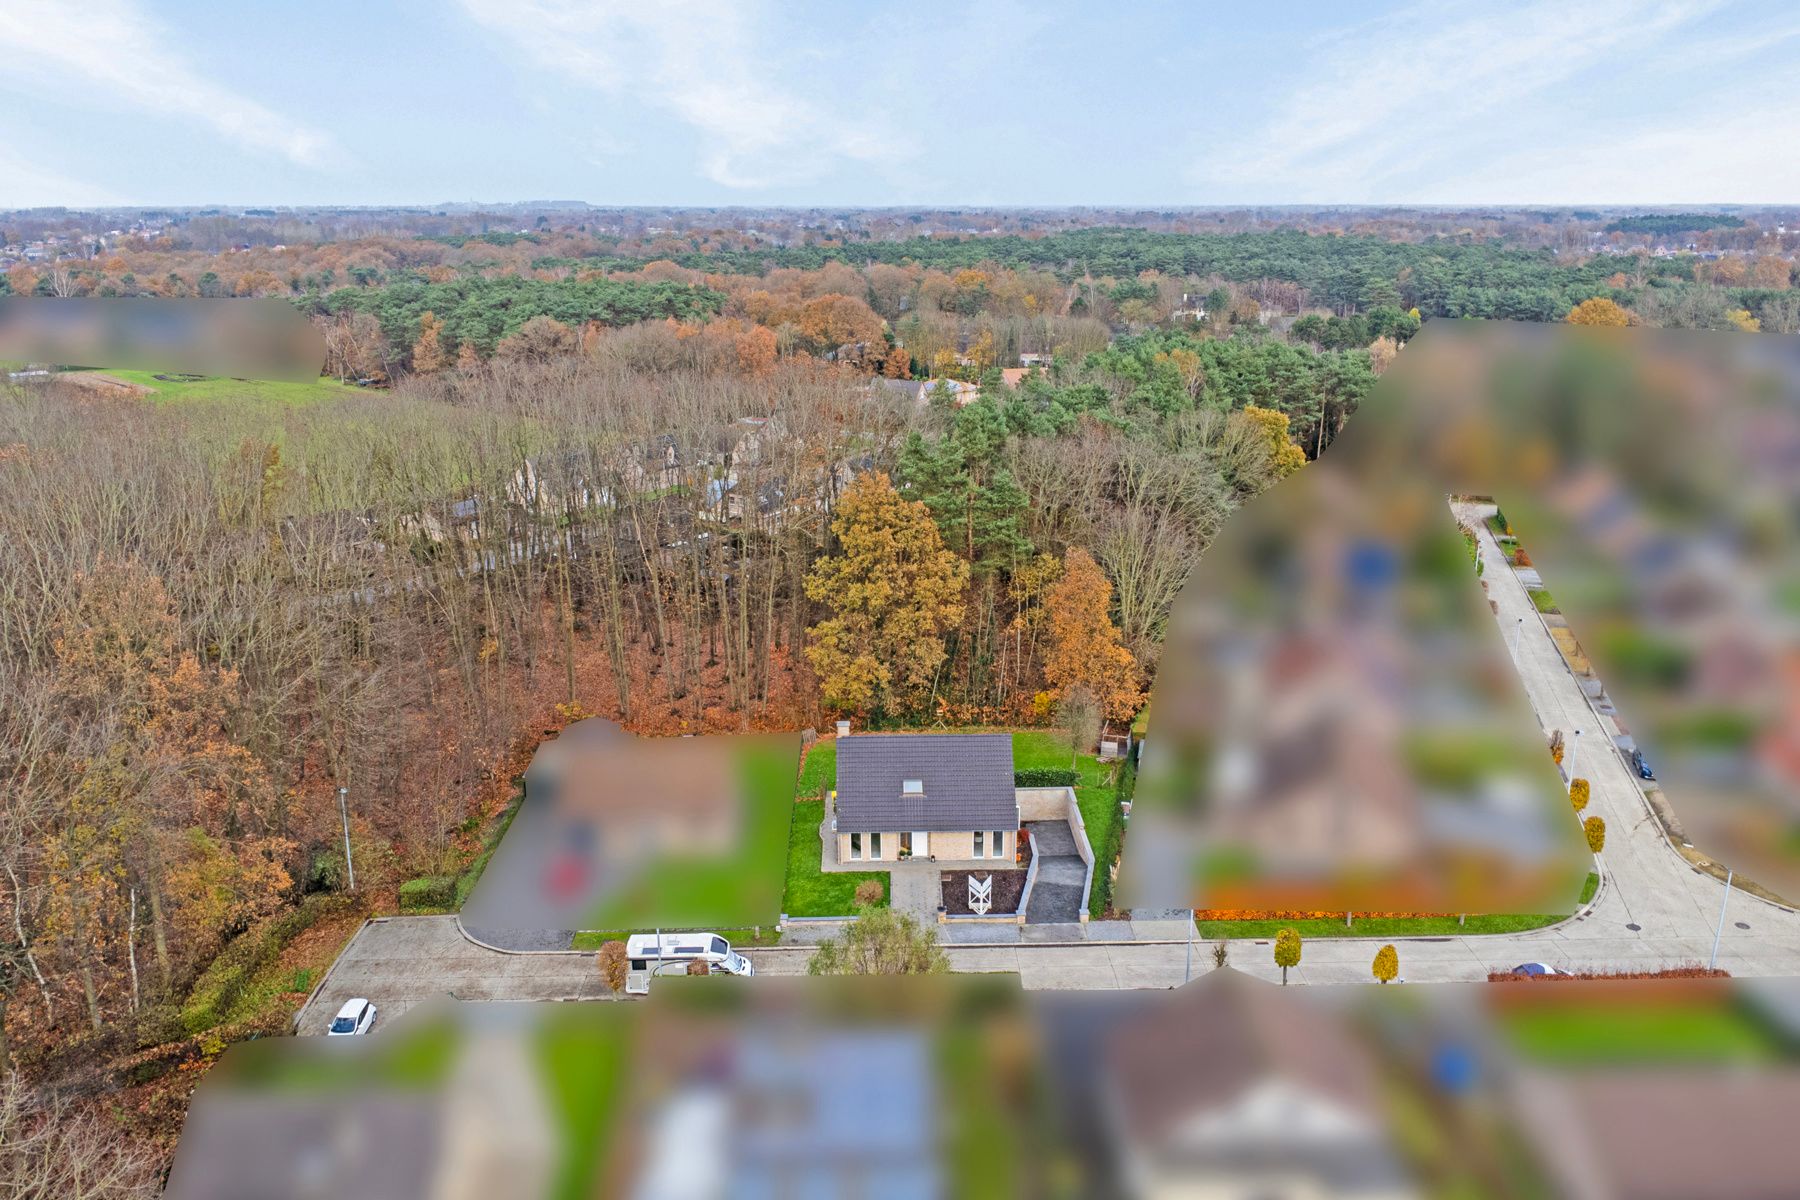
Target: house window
912,787
999,844
874,845
978,851
856,845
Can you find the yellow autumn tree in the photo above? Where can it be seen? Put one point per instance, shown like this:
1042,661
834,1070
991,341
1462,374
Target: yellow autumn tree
428,352
893,591
1599,311
1085,651
1284,456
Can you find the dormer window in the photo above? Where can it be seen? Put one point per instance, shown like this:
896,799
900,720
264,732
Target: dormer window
912,787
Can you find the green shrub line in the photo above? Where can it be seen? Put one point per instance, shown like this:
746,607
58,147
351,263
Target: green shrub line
1033,777
465,883
432,892
1112,841
213,995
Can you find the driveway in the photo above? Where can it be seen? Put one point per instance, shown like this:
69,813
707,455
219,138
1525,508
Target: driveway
1056,896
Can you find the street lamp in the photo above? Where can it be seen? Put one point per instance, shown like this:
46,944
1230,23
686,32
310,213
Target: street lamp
1574,750
344,812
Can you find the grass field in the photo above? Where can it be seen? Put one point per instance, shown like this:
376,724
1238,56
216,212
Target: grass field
267,391
1641,1033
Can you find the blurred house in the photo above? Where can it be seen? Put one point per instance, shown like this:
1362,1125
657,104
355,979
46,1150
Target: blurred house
1234,1088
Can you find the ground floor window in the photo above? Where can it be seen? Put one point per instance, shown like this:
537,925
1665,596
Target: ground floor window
979,853
999,844
856,845
874,845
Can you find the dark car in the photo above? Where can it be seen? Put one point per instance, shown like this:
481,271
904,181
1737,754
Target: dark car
1643,767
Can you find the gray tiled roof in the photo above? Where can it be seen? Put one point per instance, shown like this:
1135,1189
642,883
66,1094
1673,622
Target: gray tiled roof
968,781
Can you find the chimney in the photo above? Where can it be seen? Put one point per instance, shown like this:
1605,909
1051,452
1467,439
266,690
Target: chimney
843,729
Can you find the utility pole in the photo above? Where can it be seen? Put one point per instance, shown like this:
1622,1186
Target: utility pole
1188,972
344,812
1574,749
1720,931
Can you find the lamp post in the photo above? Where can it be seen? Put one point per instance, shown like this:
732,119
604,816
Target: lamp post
344,813
1574,750
1720,931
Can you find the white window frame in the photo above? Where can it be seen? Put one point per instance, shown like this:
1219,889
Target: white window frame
856,847
999,847
912,787
875,846
979,852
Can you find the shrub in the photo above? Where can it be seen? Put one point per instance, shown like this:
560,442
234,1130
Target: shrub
1387,964
1595,828
613,966
868,893
428,891
1046,777
1520,558
1578,794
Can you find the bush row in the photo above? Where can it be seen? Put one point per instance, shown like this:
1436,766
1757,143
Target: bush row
1101,897
1046,777
219,986
428,891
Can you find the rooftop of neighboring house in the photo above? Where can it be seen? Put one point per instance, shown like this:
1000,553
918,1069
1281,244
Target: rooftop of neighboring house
1218,1039
925,782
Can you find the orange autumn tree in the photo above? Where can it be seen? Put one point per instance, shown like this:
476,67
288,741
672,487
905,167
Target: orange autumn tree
1599,311
893,592
428,352
166,815
1085,651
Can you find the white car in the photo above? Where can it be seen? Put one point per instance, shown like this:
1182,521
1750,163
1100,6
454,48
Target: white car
355,1017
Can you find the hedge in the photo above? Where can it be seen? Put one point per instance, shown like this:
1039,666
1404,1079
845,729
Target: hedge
1046,777
1100,897
428,891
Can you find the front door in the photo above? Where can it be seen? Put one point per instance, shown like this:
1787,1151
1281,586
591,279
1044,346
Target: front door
921,842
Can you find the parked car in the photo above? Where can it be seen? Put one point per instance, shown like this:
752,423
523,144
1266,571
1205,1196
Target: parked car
1643,767
1535,968
354,1018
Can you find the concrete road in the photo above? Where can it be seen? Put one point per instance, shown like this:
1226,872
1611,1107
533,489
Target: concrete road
399,962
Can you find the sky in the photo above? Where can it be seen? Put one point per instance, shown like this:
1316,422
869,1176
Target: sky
989,102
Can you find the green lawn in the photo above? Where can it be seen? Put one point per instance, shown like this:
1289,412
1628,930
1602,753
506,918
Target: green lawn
268,391
1640,1033
582,1056
810,891
1543,600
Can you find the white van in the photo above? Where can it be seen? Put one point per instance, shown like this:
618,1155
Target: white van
660,954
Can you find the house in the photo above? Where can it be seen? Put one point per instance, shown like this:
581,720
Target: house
1232,1087
907,391
947,796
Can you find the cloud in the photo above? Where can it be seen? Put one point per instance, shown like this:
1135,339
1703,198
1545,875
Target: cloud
111,52
706,62
1392,107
